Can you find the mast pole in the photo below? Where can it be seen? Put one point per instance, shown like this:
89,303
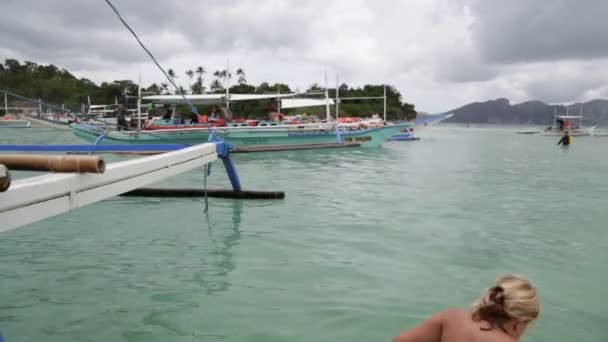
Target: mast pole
555,116
337,97
227,84
5,105
278,99
139,104
328,115
385,103
39,107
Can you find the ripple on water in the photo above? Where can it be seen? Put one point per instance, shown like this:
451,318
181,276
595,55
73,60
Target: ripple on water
367,242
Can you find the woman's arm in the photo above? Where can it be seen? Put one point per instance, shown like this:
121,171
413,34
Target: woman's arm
427,331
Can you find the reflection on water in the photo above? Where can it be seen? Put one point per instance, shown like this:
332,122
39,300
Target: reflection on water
219,259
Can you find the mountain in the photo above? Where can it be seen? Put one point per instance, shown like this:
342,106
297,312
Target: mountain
500,111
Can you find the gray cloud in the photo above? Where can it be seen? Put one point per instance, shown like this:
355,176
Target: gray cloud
439,53
544,30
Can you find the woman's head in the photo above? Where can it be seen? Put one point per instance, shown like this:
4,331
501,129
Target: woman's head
512,302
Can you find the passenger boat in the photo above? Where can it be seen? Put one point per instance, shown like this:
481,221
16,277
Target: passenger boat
291,131
571,123
244,136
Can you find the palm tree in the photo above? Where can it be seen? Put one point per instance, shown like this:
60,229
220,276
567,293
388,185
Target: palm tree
165,87
241,74
216,86
200,71
217,74
190,74
173,76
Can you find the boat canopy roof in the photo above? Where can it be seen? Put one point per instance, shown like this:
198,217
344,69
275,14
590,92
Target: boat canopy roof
301,102
210,99
102,106
569,117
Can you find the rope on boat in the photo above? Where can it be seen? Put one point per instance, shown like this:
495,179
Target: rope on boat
151,56
207,171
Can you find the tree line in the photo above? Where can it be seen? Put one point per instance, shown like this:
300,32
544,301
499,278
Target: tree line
58,86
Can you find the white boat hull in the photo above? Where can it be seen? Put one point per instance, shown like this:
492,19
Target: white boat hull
574,132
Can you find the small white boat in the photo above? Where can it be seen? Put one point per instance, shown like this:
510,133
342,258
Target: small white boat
9,122
571,123
600,133
530,131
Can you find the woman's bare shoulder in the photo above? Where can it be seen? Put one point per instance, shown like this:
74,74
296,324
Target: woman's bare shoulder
455,313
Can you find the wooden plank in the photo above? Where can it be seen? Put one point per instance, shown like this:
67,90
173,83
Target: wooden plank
33,199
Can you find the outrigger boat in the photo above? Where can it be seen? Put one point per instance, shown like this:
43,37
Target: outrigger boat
408,133
570,123
8,121
239,133
243,136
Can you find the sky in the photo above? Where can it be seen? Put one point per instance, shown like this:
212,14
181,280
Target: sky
440,54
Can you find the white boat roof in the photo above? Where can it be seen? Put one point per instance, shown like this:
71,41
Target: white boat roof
569,116
208,99
300,103
101,106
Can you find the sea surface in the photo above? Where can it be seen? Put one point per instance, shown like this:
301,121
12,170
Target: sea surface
367,243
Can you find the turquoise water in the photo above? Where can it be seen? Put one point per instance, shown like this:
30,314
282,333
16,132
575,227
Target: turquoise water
367,243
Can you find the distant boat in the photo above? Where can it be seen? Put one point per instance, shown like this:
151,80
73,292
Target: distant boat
408,133
532,131
9,122
404,136
570,123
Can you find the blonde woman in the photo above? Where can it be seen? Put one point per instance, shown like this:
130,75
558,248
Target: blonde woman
502,314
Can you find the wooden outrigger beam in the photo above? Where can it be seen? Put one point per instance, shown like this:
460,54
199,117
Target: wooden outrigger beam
5,178
33,199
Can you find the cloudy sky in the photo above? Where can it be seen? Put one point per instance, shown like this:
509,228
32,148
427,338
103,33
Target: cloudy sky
440,54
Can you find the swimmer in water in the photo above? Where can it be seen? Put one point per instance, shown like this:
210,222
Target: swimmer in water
565,140
502,314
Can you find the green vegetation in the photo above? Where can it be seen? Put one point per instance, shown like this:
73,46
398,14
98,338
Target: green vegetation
57,86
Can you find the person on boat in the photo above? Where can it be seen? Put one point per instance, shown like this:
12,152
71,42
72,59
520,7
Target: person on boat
502,314
168,114
565,140
193,117
121,121
276,116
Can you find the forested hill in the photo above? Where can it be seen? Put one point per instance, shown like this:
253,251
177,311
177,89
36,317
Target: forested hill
58,86
500,111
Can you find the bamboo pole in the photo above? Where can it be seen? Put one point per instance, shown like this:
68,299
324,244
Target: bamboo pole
220,193
5,178
54,163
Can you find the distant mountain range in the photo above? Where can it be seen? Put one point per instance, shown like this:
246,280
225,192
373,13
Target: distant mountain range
500,111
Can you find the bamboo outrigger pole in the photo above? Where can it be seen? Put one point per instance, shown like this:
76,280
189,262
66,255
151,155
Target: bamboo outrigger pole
5,178
54,163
